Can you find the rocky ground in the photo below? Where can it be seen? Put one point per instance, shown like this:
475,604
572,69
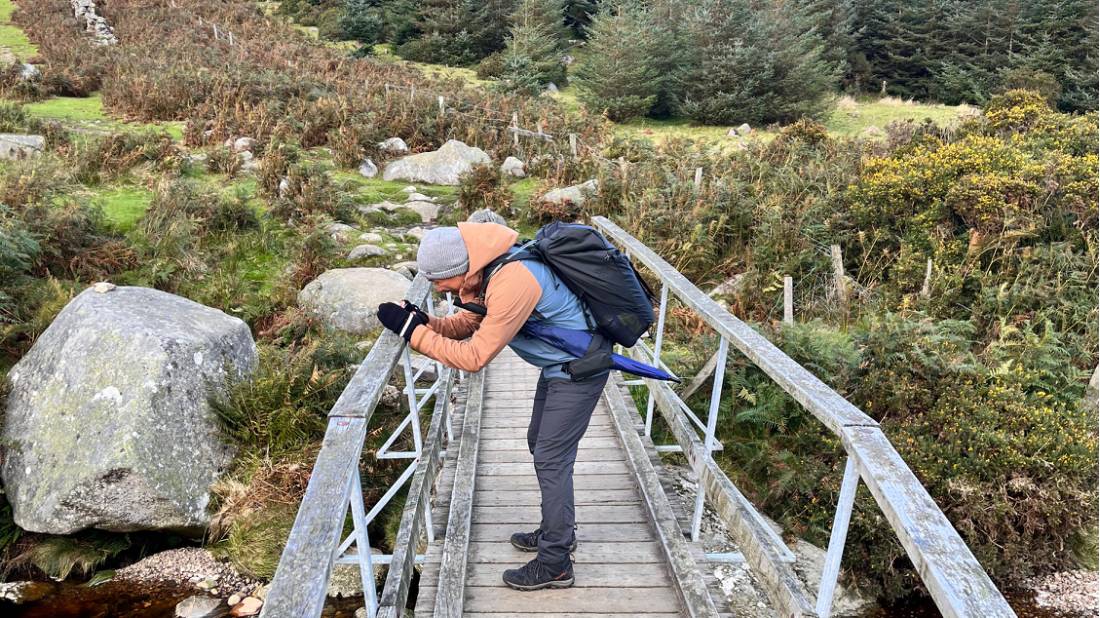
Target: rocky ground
193,565
1073,592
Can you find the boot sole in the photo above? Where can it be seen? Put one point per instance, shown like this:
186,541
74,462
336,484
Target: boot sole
556,583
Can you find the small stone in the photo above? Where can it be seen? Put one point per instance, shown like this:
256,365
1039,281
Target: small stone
234,599
372,237
340,232
486,215
409,189
552,88
103,287
419,197
206,584
241,144
200,607
428,211
744,129
367,169
417,233
250,606
393,145
513,167
284,186
365,251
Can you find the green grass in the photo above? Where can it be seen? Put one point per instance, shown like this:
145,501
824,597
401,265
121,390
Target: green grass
123,205
71,109
11,37
88,112
851,117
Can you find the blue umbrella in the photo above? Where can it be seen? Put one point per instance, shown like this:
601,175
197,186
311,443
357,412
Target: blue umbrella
576,342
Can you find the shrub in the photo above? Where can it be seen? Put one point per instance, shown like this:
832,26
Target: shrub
491,66
223,160
482,188
309,191
1016,110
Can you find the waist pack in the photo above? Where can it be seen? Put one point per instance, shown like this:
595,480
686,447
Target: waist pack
601,276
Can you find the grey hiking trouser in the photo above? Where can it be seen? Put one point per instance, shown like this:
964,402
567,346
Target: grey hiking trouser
558,421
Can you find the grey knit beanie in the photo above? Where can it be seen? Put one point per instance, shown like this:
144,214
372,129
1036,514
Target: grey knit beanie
442,254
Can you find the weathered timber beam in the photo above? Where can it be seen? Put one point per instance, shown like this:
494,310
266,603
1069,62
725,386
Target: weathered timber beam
688,581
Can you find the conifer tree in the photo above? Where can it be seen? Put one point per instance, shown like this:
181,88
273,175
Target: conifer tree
753,62
532,57
446,36
622,73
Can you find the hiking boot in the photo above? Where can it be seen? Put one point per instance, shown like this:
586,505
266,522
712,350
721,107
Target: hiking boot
529,541
535,575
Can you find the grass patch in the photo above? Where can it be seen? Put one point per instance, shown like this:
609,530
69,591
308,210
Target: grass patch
851,116
124,205
11,36
256,540
88,112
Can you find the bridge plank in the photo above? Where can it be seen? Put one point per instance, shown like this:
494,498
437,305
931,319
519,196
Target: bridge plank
580,482
515,444
513,456
587,533
619,600
588,575
586,513
689,585
528,469
450,599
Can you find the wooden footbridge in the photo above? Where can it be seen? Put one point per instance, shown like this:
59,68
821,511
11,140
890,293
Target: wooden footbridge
470,483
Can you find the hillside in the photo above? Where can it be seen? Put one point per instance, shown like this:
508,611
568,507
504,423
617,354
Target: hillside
221,153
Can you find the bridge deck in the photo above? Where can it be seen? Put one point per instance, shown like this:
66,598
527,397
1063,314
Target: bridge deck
620,564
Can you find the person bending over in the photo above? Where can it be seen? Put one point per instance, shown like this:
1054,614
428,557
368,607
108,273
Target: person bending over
454,259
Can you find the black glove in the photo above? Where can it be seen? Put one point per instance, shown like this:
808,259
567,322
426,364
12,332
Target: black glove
400,321
412,308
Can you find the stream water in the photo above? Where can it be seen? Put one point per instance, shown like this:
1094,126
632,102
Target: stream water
124,600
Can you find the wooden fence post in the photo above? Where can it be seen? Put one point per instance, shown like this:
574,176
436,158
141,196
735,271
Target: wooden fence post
442,106
838,274
412,93
788,300
698,178
573,143
926,288
515,125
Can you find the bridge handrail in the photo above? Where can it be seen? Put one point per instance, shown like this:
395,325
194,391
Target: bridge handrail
314,545
956,581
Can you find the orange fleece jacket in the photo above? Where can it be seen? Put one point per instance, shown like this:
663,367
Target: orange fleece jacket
466,340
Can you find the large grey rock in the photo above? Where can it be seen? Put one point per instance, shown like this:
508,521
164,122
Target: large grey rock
445,166
29,72
15,146
346,298
109,423
486,215
576,194
513,167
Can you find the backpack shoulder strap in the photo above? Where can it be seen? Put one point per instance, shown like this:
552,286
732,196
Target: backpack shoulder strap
524,253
